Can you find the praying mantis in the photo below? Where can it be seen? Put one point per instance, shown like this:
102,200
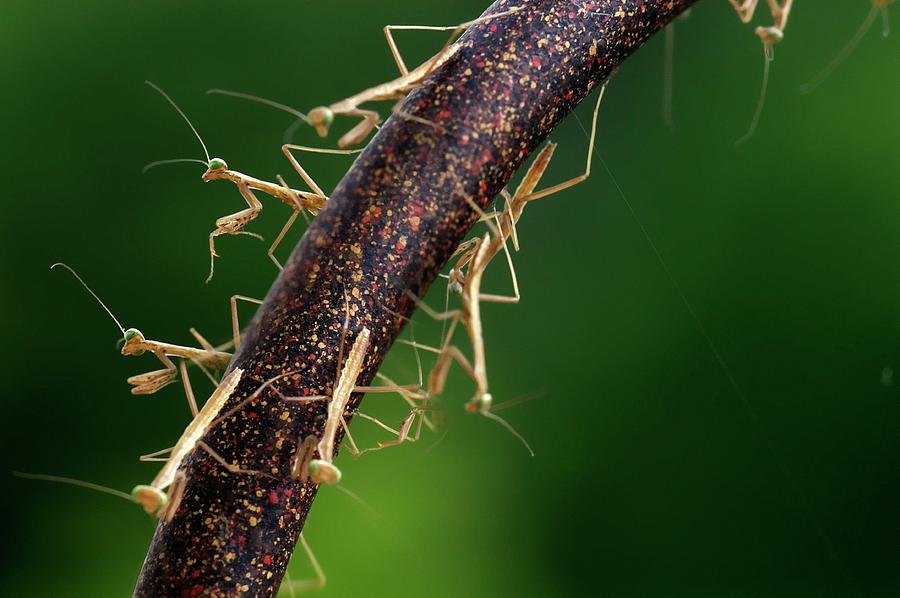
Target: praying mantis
322,117
465,278
322,470
135,343
233,224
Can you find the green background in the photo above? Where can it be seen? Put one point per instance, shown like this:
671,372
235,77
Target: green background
654,475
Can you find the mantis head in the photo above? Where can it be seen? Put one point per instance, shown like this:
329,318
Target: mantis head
770,35
134,342
455,281
214,170
321,118
480,404
153,500
323,472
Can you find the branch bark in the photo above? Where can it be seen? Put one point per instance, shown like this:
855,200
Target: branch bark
388,228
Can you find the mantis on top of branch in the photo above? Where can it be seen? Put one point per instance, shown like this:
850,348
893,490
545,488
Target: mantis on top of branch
322,117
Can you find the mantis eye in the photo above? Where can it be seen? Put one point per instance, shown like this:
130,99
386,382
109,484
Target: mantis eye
485,402
131,333
218,164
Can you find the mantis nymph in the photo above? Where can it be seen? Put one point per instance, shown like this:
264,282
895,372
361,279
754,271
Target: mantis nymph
135,343
233,224
322,470
466,275
322,117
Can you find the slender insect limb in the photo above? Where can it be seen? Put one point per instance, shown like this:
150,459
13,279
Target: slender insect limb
201,339
229,466
411,400
439,316
286,150
402,435
590,154
370,120
298,209
176,493
515,282
233,224
157,456
153,381
304,454
305,585
188,390
322,117
235,326
745,9
847,50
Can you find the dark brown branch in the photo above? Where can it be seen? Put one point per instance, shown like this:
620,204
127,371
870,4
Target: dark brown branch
388,228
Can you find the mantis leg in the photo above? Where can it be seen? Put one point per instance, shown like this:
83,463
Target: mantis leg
188,390
235,326
402,435
587,170
300,462
305,585
229,466
286,150
298,210
233,224
370,120
745,9
149,383
176,492
515,282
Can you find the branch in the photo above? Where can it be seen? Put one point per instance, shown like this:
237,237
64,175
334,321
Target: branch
388,228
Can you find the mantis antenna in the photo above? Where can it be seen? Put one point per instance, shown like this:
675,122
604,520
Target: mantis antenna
273,104
74,482
183,115
93,294
172,161
848,49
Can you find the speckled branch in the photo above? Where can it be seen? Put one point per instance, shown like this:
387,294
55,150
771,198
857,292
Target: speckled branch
389,227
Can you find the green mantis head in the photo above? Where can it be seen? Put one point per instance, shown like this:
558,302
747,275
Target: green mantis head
134,342
218,164
321,118
480,404
214,169
152,499
323,472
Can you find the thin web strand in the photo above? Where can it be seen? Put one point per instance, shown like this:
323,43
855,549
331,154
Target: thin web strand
750,412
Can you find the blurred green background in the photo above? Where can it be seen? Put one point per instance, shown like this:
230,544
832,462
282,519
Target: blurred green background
654,475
